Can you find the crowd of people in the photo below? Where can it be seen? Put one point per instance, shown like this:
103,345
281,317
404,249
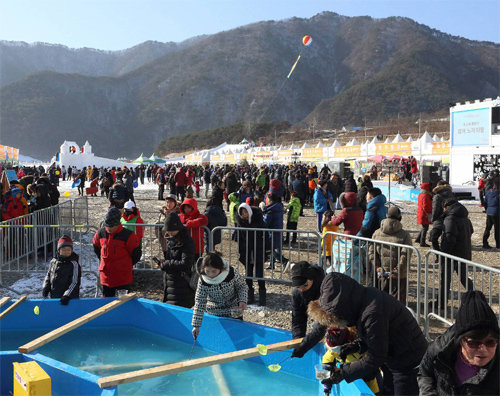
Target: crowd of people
379,339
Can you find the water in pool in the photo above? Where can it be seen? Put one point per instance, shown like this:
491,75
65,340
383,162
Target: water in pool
108,351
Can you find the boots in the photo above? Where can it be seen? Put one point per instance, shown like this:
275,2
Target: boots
262,297
251,295
422,236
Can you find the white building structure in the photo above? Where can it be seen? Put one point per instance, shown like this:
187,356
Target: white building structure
71,154
475,139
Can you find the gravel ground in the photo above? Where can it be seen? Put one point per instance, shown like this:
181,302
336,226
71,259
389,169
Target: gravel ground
277,313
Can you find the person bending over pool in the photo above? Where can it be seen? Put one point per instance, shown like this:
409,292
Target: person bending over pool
221,290
391,337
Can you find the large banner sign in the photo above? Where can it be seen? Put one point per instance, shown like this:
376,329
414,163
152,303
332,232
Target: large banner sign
471,127
348,151
441,148
402,148
312,153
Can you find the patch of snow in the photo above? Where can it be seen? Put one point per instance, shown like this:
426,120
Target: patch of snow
31,286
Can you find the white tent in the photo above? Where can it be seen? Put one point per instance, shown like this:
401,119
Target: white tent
426,138
435,138
306,145
353,142
335,143
409,139
320,145
398,139
294,147
387,140
375,140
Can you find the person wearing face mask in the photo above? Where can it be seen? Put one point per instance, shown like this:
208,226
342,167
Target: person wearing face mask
306,282
132,216
177,265
388,333
221,290
465,359
118,249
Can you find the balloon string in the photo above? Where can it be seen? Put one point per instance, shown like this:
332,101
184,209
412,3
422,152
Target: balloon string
279,90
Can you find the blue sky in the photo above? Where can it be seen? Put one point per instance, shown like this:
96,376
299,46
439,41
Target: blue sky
119,24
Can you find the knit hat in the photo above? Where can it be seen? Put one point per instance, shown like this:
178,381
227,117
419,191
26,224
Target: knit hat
112,217
15,190
425,186
65,240
172,223
301,272
172,197
337,336
474,312
129,205
394,213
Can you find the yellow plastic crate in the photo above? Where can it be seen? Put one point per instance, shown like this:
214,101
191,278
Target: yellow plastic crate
31,380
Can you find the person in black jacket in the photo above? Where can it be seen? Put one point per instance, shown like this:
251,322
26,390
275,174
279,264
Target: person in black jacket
465,359
218,193
387,331
118,194
299,186
350,184
216,218
251,248
306,280
64,275
456,240
441,193
178,263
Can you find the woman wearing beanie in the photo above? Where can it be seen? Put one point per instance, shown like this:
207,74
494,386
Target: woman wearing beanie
178,263
464,360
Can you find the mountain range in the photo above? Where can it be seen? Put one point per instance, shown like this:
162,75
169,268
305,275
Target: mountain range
126,102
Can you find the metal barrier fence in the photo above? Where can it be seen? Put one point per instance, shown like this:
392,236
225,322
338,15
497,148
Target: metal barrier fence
256,246
153,242
44,239
443,275
32,239
388,266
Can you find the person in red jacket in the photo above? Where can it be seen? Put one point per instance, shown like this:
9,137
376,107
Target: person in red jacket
180,183
193,220
424,212
481,186
118,249
13,206
351,215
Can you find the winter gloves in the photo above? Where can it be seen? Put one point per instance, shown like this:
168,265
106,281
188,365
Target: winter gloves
64,300
335,375
353,347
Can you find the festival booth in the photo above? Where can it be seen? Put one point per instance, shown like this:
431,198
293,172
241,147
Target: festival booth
286,155
70,154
